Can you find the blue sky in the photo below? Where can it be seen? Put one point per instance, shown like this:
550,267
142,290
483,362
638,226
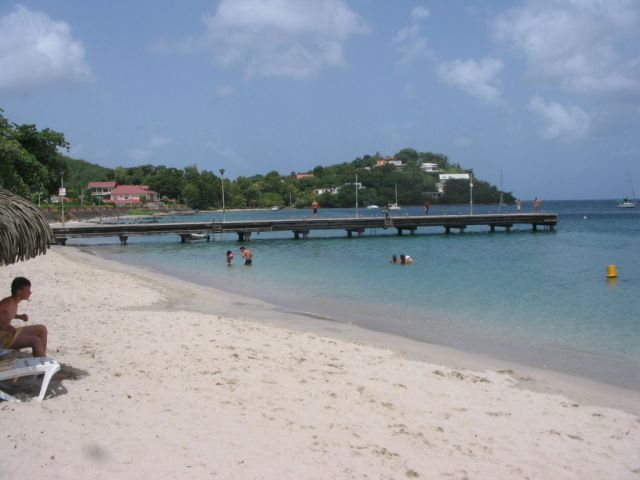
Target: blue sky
543,94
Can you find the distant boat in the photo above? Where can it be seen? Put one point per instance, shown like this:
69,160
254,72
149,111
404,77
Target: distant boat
628,202
395,206
275,208
373,207
197,236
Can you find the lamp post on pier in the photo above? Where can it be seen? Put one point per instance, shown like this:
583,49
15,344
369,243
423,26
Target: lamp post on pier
357,211
470,192
224,211
61,194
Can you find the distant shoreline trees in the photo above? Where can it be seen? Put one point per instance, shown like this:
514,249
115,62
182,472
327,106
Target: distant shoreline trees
31,164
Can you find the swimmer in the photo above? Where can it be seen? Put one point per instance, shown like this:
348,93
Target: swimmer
405,259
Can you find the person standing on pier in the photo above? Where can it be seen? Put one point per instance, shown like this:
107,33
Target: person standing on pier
536,204
314,207
427,204
247,255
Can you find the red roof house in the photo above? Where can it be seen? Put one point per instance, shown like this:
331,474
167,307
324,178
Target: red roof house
132,195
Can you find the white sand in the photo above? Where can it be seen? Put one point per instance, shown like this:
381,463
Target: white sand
155,387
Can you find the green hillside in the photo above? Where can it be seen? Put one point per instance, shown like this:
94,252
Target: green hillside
32,165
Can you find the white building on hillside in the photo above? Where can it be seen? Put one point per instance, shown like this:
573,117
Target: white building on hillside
331,190
444,177
429,167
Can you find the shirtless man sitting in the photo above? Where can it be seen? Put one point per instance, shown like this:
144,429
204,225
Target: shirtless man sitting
33,336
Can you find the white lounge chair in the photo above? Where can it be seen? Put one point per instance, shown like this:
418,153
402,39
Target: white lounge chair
24,367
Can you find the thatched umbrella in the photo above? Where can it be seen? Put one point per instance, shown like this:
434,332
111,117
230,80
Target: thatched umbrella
24,232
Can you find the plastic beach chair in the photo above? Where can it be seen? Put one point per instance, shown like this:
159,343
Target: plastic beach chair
24,367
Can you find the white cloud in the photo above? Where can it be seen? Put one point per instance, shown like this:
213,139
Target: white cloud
409,42
479,79
287,38
583,46
36,51
562,123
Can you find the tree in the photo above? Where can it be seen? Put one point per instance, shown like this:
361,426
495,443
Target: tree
407,155
456,191
191,196
166,181
44,145
81,172
31,163
29,159
20,172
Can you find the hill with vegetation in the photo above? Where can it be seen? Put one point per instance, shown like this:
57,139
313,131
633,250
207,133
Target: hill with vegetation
32,165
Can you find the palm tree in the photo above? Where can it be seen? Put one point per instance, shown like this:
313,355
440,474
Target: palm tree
24,232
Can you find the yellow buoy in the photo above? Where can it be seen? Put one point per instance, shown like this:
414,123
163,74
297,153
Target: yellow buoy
611,271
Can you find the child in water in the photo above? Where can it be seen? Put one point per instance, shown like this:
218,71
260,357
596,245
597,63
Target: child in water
229,257
406,259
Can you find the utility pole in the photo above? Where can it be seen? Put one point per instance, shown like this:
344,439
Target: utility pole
61,195
224,211
357,211
471,192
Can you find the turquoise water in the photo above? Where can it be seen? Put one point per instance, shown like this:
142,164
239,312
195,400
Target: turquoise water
536,298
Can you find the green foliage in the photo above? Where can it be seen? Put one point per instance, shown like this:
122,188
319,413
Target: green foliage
81,172
458,191
166,181
31,164
20,172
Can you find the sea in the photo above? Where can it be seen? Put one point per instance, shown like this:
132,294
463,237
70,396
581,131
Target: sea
536,298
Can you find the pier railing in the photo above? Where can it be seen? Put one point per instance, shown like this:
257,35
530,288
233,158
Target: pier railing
302,227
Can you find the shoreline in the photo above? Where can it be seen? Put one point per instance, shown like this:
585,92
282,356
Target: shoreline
351,327
261,310
164,378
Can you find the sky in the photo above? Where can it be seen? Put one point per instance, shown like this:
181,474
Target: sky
540,97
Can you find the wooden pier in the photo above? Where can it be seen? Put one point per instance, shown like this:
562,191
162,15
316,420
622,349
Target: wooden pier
302,227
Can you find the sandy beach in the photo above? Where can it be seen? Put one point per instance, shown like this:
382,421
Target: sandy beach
165,379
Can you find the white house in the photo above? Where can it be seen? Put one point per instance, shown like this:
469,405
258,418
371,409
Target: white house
358,185
429,167
331,190
443,177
